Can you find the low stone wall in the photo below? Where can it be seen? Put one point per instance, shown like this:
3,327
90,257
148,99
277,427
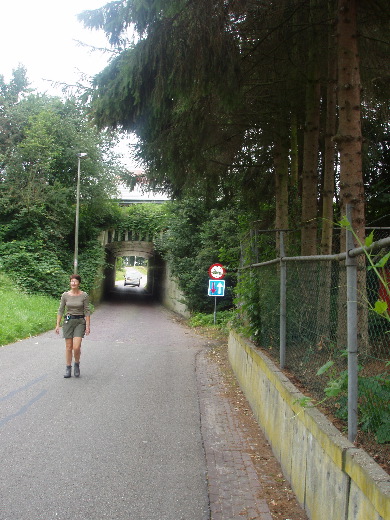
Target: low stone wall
331,478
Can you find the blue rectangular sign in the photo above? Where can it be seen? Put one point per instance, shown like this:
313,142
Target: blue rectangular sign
216,288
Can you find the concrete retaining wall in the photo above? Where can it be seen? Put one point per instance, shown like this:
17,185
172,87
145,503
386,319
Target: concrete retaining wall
172,297
331,478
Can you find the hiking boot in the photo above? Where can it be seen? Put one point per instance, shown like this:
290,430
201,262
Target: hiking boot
68,371
76,369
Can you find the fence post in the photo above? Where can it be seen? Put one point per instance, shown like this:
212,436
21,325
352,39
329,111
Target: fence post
352,342
283,291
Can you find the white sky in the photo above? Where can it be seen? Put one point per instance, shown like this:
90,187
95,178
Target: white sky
40,34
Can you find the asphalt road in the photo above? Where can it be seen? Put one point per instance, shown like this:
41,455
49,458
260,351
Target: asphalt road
122,441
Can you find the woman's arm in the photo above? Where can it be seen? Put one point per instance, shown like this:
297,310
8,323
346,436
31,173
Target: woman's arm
57,329
87,325
60,312
87,313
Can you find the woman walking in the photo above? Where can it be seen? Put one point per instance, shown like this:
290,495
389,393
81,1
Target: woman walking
76,323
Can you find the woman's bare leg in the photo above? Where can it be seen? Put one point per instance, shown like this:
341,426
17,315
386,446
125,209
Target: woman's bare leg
68,351
77,349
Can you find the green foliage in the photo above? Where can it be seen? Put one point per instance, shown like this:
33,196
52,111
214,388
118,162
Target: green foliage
374,406
223,319
208,100
33,267
48,220
325,368
196,238
39,170
305,402
37,269
23,315
10,92
376,162
145,221
257,297
183,96
39,141
91,264
248,300
373,399
378,266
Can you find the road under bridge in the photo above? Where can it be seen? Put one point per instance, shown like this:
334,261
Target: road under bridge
160,284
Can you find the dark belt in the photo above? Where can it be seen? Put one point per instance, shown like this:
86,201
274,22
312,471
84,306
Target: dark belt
75,316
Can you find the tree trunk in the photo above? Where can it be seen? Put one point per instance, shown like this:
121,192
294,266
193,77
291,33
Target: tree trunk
330,150
294,196
294,152
310,157
349,136
281,184
349,141
325,281
297,116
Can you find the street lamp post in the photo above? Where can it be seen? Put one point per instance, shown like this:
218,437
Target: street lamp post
76,231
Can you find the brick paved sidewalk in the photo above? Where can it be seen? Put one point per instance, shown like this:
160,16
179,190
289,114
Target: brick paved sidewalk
236,489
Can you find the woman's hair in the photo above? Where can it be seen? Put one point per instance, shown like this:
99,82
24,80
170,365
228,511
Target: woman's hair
77,276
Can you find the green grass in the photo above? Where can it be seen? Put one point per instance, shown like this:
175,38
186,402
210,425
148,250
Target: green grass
119,275
24,315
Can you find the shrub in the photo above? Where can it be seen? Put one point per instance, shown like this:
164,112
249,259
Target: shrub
38,270
33,267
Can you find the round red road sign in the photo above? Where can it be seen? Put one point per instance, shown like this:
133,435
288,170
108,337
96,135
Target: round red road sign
217,271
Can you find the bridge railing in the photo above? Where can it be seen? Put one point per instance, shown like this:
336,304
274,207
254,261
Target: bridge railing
131,235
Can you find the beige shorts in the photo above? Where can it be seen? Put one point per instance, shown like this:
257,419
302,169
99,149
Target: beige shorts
74,328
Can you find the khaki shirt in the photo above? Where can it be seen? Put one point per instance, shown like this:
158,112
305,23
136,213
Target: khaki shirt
75,305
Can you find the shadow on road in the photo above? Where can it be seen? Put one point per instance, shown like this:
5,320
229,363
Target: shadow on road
126,294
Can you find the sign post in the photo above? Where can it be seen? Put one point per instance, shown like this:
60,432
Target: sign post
216,284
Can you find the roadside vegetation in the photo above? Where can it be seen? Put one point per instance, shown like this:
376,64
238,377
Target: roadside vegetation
203,320
40,138
24,315
218,332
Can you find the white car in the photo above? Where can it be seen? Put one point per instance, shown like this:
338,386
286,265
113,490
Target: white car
133,280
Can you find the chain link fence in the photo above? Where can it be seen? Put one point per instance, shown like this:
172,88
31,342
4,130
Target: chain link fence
315,328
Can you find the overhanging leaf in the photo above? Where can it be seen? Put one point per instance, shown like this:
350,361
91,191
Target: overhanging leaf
325,368
380,307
